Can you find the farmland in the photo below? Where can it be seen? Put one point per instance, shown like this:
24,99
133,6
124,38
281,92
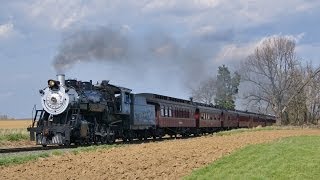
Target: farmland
171,159
14,133
14,124
193,158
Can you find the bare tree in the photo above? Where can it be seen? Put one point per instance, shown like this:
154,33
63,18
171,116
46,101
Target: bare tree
312,91
272,69
205,92
295,110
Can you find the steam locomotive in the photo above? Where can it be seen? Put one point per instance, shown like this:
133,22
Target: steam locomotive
83,113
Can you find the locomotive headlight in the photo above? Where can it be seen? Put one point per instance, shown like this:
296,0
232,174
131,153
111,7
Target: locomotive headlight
51,83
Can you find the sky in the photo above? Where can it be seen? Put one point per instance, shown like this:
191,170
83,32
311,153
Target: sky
162,47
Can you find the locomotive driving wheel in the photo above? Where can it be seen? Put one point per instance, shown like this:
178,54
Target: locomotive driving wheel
110,138
67,143
104,140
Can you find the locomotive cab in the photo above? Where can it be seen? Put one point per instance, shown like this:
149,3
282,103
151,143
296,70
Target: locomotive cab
123,101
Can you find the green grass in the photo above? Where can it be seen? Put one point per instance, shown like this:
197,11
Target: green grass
288,158
19,159
57,152
14,134
267,128
5,161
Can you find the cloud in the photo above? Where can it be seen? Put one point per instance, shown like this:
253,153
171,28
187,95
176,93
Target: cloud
6,30
235,52
187,41
307,5
59,13
179,7
297,38
213,34
241,13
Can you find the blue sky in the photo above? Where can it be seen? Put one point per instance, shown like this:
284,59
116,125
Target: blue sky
173,44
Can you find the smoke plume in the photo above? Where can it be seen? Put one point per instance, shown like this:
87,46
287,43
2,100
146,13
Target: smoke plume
191,60
101,44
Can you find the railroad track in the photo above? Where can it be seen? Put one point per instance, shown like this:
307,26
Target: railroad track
35,148
47,148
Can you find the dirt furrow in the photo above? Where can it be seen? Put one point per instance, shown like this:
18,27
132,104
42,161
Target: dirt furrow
160,160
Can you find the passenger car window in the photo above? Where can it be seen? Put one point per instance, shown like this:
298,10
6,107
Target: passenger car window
165,111
162,111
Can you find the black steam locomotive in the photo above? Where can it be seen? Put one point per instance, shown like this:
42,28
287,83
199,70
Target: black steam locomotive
82,113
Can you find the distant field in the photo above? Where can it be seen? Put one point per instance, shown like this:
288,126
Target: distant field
13,131
14,124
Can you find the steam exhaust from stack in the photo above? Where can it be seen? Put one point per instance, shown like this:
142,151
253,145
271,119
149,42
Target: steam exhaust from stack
121,46
87,45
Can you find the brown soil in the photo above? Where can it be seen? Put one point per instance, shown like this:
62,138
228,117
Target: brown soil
160,160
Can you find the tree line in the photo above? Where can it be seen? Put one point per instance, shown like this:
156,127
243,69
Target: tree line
4,117
276,82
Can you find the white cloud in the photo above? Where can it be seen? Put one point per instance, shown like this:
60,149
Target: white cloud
307,5
6,30
179,5
241,13
239,51
234,52
204,30
297,38
59,14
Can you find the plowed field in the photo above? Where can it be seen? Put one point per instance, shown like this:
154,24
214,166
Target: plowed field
160,160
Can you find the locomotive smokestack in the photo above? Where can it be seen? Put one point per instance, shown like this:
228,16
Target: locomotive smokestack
61,79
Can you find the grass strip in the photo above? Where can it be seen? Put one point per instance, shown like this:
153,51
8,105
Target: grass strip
267,128
12,135
288,158
19,159
92,148
9,160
